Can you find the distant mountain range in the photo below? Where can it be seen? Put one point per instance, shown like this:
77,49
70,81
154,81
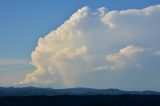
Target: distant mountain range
31,91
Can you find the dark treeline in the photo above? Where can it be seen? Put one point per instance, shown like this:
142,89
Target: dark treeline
68,100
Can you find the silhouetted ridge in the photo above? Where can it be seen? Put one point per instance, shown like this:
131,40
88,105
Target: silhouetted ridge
31,91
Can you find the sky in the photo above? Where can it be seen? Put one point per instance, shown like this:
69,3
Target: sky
76,43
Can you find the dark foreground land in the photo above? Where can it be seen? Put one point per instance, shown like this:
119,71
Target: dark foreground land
68,100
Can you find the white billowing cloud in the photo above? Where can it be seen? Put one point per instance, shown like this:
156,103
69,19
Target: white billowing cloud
100,11
88,41
120,59
59,51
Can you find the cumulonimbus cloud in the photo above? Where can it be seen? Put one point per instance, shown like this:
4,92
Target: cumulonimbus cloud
93,41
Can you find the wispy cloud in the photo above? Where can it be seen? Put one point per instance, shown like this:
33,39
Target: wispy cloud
11,64
8,61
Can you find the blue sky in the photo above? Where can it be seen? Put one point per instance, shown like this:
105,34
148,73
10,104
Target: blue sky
23,22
